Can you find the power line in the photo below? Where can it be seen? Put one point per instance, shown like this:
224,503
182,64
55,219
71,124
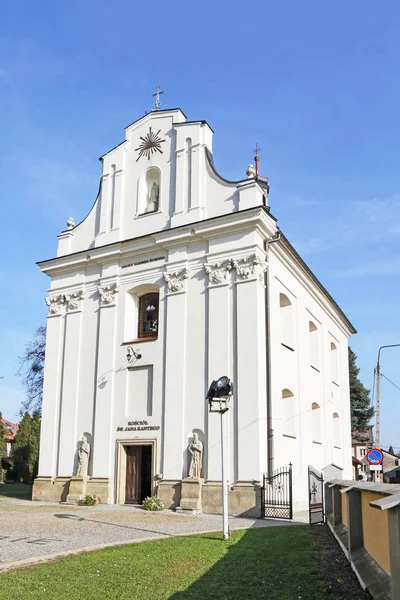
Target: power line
387,378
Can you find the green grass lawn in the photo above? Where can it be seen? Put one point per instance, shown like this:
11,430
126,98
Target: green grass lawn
276,563
22,491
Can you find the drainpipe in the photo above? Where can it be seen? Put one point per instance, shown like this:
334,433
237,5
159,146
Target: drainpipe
270,431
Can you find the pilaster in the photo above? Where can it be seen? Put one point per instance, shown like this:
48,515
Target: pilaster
219,352
70,383
175,360
250,395
102,434
52,386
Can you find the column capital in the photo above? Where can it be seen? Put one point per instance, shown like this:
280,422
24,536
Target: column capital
175,280
108,293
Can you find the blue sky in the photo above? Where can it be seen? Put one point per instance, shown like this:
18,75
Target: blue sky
316,84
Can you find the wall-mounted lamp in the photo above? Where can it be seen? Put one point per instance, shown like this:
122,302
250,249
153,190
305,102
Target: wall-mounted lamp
132,355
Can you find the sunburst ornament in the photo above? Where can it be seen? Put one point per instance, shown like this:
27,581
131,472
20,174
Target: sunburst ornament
151,143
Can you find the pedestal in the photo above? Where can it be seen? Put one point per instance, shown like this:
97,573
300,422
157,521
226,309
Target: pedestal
77,489
191,495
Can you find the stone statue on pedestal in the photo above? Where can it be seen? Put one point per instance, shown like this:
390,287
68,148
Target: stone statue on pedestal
83,457
152,202
196,461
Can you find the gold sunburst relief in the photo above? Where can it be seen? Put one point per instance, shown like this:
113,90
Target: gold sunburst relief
151,143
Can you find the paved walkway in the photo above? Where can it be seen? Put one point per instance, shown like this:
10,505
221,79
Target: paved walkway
31,532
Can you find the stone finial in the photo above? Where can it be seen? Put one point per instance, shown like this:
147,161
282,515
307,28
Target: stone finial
250,171
70,223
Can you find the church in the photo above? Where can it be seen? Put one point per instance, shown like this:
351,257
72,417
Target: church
175,278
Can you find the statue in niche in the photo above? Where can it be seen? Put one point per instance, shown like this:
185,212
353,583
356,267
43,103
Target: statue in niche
196,461
152,200
83,457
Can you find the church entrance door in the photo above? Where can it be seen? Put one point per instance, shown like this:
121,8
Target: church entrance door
138,473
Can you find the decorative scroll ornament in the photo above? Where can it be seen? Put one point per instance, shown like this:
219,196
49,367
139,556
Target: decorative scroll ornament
249,267
108,293
175,280
218,273
74,300
55,303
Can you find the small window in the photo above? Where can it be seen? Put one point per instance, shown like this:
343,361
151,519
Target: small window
148,316
316,423
313,339
289,413
396,463
334,364
286,321
336,431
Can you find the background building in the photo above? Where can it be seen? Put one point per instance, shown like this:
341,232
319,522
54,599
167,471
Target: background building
187,275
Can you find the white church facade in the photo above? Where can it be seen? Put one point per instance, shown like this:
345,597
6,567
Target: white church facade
175,278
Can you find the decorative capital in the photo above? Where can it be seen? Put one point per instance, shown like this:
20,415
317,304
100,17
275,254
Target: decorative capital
175,280
251,266
74,300
55,303
108,293
218,273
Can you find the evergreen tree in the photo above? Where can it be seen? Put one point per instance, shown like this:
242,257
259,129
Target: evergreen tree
25,449
360,404
391,450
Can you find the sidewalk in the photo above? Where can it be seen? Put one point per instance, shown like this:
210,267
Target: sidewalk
32,532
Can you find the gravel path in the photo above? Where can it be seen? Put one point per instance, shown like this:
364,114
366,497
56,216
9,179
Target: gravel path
33,532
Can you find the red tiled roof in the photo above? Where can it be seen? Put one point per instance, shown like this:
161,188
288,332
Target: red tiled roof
11,430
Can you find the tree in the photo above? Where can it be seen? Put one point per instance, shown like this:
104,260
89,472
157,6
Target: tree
360,403
2,434
391,450
32,371
25,449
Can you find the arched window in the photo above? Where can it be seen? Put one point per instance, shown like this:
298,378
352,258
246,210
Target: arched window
149,191
148,316
141,312
336,431
313,340
316,423
334,364
286,321
289,413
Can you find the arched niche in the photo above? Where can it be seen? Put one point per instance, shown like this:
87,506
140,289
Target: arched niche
149,191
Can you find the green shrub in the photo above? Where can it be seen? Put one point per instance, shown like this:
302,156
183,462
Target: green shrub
152,503
90,500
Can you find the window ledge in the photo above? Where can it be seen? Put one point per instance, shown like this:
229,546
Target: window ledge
141,340
288,347
146,214
292,437
319,443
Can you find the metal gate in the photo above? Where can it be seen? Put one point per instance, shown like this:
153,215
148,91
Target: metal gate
277,498
316,496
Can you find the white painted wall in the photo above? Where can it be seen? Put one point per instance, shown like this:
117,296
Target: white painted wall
211,324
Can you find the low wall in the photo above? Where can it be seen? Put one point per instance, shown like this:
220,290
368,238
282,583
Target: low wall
365,519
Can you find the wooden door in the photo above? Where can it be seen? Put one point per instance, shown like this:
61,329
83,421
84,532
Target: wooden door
133,475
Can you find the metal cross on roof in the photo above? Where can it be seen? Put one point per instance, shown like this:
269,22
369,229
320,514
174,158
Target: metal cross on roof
157,104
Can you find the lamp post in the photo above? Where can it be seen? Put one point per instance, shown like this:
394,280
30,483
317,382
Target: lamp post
219,396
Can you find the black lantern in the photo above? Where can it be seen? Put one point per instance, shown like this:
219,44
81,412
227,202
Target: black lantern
132,355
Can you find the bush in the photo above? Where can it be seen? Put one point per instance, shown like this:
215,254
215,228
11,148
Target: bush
152,503
90,500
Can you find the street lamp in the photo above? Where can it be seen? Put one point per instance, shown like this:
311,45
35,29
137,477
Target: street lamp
219,396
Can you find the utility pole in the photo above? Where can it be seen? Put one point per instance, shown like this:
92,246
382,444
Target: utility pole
378,401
